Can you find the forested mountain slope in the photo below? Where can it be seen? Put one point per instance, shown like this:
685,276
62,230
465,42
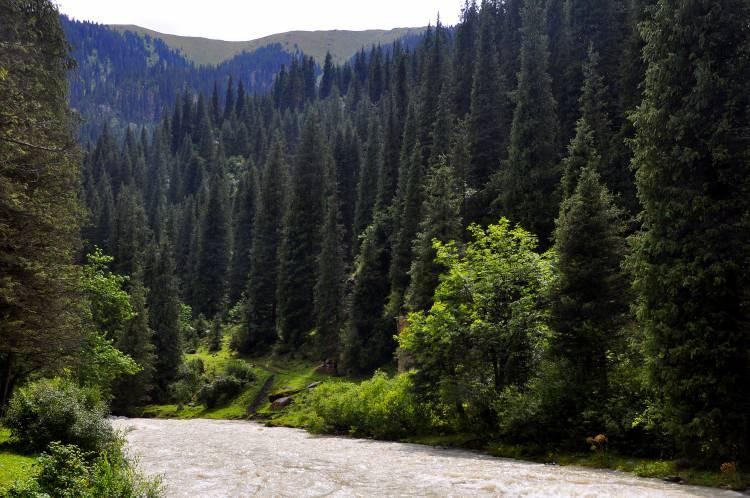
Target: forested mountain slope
129,75
341,44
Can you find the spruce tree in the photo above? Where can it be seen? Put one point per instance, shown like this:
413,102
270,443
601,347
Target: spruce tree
244,206
215,335
213,256
531,175
136,340
441,220
589,299
300,244
367,341
330,275
327,80
693,178
164,318
490,112
258,330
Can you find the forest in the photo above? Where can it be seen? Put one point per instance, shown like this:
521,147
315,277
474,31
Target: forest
531,226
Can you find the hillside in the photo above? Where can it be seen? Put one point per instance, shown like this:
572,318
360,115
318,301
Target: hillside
341,44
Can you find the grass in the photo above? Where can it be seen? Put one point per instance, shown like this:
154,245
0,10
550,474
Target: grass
14,467
288,374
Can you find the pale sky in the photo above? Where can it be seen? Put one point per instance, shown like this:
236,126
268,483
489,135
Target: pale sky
250,19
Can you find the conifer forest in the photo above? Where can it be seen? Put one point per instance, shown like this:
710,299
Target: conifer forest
532,226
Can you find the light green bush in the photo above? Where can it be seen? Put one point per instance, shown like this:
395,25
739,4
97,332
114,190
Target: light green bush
58,410
380,407
66,471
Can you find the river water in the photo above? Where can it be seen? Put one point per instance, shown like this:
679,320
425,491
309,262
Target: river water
221,458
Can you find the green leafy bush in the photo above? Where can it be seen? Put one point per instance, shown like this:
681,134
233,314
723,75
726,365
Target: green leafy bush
67,471
240,370
58,410
381,407
220,390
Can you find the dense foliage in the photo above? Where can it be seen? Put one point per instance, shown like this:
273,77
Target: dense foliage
58,410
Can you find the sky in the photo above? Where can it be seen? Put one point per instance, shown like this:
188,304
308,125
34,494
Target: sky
250,19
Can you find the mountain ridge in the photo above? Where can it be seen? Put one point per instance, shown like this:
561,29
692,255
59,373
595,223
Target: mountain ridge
342,44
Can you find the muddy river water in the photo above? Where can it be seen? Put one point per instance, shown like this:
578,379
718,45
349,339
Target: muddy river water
218,458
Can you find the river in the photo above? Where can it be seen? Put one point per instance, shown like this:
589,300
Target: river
222,458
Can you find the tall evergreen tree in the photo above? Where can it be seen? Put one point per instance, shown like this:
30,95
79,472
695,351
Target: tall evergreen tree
213,256
530,177
136,340
490,112
441,220
693,182
258,331
300,244
164,318
244,206
589,299
328,292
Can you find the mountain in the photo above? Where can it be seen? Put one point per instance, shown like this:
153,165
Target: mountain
341,44
127,75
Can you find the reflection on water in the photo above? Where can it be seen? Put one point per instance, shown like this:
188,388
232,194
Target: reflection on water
218,458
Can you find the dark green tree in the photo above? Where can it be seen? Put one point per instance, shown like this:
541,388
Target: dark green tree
693,180
531,176
164,317
300,243
213,257
136,340
589,300
258,331
441,220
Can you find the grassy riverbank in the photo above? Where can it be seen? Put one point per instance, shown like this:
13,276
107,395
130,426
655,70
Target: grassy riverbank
14,466
273,373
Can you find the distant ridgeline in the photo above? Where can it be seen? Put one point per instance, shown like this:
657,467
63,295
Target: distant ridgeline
129,75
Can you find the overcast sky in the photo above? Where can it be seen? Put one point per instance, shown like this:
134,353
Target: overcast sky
250,19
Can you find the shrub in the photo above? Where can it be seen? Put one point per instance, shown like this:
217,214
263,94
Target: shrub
189,381
240,370
58,410
67,471
220,390
381,407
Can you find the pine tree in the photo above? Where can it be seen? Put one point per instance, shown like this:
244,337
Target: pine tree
327,80
367,342
213,256
589,300
464,58
441,220
367,184
328,292
582,153
243,233
215,335
693,178
258,331
530,176
136,341
300,244
490,112
164,318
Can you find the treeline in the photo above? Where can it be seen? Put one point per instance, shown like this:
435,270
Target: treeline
125,78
